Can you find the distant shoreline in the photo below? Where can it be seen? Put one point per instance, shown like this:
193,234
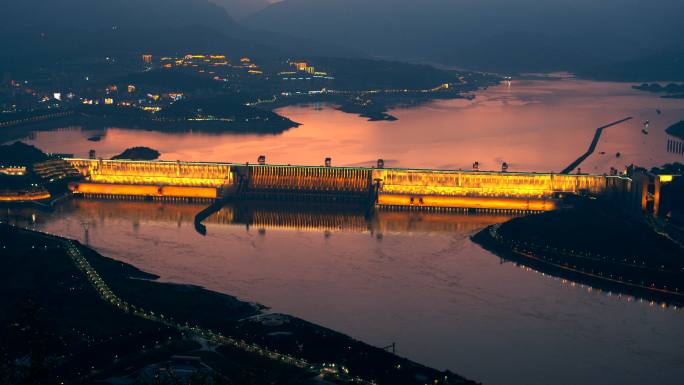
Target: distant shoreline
13,133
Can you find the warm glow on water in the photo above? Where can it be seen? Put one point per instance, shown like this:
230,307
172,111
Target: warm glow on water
534,126
414,279
411,278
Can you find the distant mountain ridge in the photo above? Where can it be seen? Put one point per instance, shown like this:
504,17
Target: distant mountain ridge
41,32
499,35
640,40
46,30
238,9
665,66
55,15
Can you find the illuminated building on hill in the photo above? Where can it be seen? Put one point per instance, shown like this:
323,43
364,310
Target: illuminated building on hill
13,170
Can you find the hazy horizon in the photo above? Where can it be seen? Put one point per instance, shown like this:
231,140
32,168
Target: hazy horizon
492,35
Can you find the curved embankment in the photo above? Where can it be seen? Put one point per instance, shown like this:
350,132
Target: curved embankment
592,146
595,246
263,346
24,195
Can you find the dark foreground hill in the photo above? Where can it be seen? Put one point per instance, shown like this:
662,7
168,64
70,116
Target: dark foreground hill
71,316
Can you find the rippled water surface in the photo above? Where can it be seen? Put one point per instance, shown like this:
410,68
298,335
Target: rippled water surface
532,125
413,279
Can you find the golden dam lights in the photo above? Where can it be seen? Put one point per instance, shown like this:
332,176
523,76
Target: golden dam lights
144,190
154,172
477,203
390,187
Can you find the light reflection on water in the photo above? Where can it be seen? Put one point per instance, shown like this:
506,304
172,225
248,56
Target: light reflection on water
533,126
414,279
411,278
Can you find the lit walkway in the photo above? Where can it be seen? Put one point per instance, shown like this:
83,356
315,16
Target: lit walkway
105,292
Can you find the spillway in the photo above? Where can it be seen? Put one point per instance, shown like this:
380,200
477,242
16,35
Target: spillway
391,188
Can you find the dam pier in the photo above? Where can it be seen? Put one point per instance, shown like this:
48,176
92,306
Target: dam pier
380,188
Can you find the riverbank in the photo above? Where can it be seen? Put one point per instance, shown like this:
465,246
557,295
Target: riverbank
262,122
593,243
676,129
269,123
670,91
86,309
375,107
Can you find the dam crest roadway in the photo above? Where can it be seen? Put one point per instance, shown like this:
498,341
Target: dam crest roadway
370,188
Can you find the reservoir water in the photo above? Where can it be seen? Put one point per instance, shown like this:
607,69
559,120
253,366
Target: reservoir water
414,279
532,125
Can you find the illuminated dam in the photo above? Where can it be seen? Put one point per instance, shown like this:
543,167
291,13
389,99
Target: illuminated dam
382,187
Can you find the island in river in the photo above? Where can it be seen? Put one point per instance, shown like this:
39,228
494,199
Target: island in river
138,153
670,91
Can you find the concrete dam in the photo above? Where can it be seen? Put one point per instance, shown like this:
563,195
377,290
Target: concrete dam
395,188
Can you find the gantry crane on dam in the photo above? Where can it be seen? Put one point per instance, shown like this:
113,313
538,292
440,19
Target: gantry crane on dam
398,188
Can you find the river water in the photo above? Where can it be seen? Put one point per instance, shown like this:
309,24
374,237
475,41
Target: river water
414,279
531,125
